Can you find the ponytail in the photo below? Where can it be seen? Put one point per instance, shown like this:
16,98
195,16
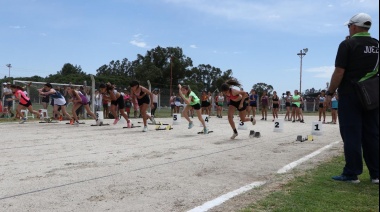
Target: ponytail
231,82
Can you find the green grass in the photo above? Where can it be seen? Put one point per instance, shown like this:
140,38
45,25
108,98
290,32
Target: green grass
315,191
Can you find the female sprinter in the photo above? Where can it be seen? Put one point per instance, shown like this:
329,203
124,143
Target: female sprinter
142,95
322,106
275,105
288,100
24,102
58,100
117,101
237,101
192,101
80,99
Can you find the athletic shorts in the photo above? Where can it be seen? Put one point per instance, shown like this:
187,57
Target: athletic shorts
205,104
321,105
28,104
196,106
119,102
276,106
254,104
84,100
294,105
45,99
237,104
287,104
334,108
172,107
220,104
144,100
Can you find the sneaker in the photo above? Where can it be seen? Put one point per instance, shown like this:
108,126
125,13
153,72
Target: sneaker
23,120
116,120
234,136
205,131
294,121
97,122
71,121
345,178
153,120
262,119
191,125
375,180
302,121
145,129
129,124
76,123
253,120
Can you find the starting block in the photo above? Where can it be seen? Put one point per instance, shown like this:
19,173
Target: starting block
79,123
160,127
310,138
301,139
48,121
253,134
157,123
133,126
203,133
101,124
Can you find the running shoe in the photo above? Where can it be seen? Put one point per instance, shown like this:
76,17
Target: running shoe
191,125
116,120
375,180
97,122
153,120
348,179
145,129
71,121
205,131
23,120
253,120
234,136
129,124
76,123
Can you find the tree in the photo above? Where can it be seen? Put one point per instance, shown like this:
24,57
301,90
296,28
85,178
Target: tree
260,87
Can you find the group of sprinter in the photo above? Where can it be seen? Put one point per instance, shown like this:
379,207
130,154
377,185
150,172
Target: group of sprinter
238,100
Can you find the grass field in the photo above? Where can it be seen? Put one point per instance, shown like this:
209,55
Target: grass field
314,191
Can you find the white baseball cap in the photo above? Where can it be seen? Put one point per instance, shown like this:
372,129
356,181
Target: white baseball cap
360,19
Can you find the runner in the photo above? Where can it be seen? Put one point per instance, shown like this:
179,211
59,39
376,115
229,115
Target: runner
117,102
24,102
252,103
142,95
296,104
275,105
322,106
237,101
79,99
57,99
191,101
288,100
220,104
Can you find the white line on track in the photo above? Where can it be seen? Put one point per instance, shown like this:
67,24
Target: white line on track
294,164
220,200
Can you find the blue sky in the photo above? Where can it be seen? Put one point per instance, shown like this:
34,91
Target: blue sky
258,40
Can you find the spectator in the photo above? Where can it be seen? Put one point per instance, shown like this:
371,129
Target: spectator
359,128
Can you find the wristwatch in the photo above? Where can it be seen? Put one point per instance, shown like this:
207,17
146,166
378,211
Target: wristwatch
328,93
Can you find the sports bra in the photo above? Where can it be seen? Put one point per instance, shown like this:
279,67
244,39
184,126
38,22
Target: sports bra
233,97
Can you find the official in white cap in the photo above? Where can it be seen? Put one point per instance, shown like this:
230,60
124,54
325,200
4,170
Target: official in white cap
357,58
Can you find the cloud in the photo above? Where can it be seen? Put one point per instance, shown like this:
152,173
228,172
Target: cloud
138,41
322,72
193,46
17,27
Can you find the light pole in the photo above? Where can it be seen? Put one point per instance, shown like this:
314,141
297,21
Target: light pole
9,69
301,55
171,75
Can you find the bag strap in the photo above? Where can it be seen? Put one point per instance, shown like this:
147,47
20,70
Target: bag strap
375,70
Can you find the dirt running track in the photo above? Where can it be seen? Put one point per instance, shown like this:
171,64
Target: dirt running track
58,167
